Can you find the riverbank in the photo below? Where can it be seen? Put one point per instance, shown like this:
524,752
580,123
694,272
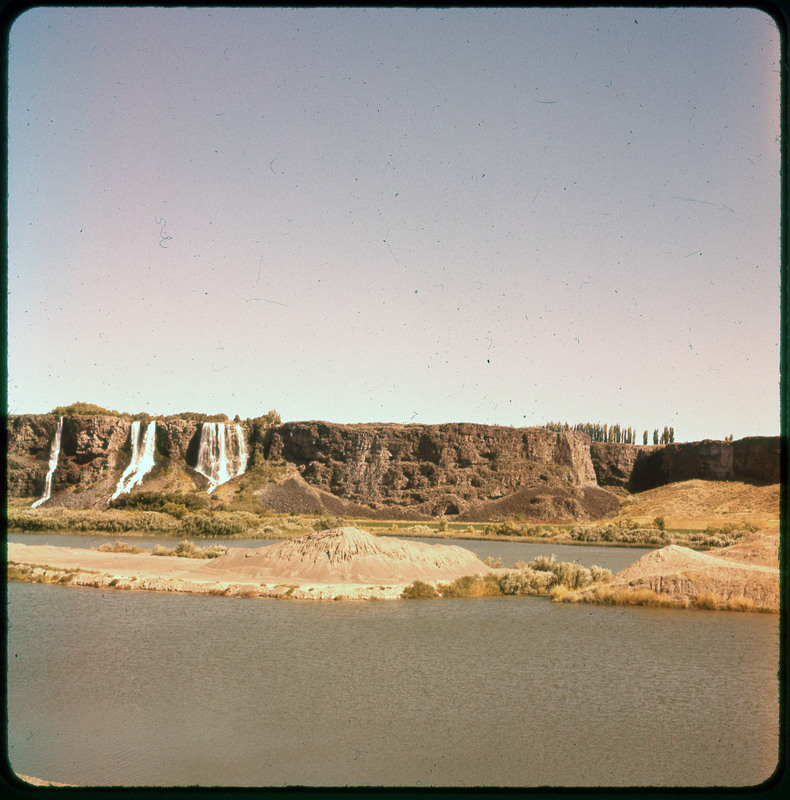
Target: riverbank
69,566
348,563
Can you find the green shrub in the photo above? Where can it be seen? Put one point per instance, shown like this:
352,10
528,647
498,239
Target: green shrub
543,563
83,409
120,547
599,574
525,582
471,586
419,591
174,503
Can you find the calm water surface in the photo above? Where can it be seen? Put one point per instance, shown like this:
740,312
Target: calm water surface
133,688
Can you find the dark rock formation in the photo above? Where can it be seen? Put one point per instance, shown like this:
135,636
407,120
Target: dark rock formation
614,462
431,469
755,459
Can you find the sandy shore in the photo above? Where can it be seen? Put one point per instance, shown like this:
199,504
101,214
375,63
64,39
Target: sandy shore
82,567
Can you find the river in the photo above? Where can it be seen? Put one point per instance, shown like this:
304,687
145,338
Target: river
111,688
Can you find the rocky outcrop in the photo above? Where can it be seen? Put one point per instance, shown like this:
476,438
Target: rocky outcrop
431,469
614,463
755,459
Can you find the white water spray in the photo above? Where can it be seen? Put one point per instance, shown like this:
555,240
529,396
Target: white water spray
220,458
54,455
142,458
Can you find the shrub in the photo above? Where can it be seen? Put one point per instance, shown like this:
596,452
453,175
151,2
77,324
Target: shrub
706,600
572,576
660,523
543,563
176,503
187,549
524,582
120,547
419,591
471,586
740,603
599,574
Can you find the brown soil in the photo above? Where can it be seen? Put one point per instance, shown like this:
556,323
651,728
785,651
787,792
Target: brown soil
697,504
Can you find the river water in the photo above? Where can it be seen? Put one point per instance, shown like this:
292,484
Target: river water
122,688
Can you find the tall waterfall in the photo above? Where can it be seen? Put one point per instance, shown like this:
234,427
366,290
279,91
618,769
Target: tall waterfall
54,454
221,457
142,458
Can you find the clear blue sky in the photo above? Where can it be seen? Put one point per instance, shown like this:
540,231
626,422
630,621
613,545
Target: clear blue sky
497,216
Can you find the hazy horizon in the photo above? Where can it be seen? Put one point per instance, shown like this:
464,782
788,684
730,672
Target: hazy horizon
496,216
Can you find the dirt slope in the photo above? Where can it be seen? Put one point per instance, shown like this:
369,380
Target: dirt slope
698,503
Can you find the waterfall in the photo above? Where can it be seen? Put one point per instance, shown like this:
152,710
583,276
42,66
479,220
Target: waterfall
221,457
142,458
242,450
54,454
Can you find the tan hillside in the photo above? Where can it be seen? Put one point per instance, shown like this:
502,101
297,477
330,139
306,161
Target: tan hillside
698,504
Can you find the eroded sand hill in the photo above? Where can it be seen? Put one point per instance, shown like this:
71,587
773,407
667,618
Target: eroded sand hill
342,562
351,555
749,569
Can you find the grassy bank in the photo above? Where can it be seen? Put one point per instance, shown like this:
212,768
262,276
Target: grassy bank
623,596
182,518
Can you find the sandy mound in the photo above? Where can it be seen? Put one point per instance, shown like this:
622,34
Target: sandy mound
351,555
736,571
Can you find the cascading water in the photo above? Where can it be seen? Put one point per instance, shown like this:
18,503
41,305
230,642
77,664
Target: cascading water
142,458
54,455
220,458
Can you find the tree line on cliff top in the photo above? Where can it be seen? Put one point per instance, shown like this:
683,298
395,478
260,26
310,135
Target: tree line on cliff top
89,409
613,433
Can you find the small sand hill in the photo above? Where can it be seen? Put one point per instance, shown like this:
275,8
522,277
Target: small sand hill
748,569
350,555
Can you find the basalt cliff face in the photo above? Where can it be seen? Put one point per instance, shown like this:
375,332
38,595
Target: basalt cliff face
470,472
452,469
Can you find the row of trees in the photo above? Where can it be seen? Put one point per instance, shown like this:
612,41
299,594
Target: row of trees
89,409
599,432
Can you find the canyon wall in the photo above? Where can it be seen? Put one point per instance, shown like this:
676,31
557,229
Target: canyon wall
464,470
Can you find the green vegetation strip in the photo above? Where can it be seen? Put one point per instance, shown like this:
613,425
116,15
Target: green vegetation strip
540,577
180,515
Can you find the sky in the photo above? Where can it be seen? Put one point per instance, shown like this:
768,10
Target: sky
500,216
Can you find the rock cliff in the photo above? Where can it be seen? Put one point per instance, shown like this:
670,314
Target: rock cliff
467,471
431,469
